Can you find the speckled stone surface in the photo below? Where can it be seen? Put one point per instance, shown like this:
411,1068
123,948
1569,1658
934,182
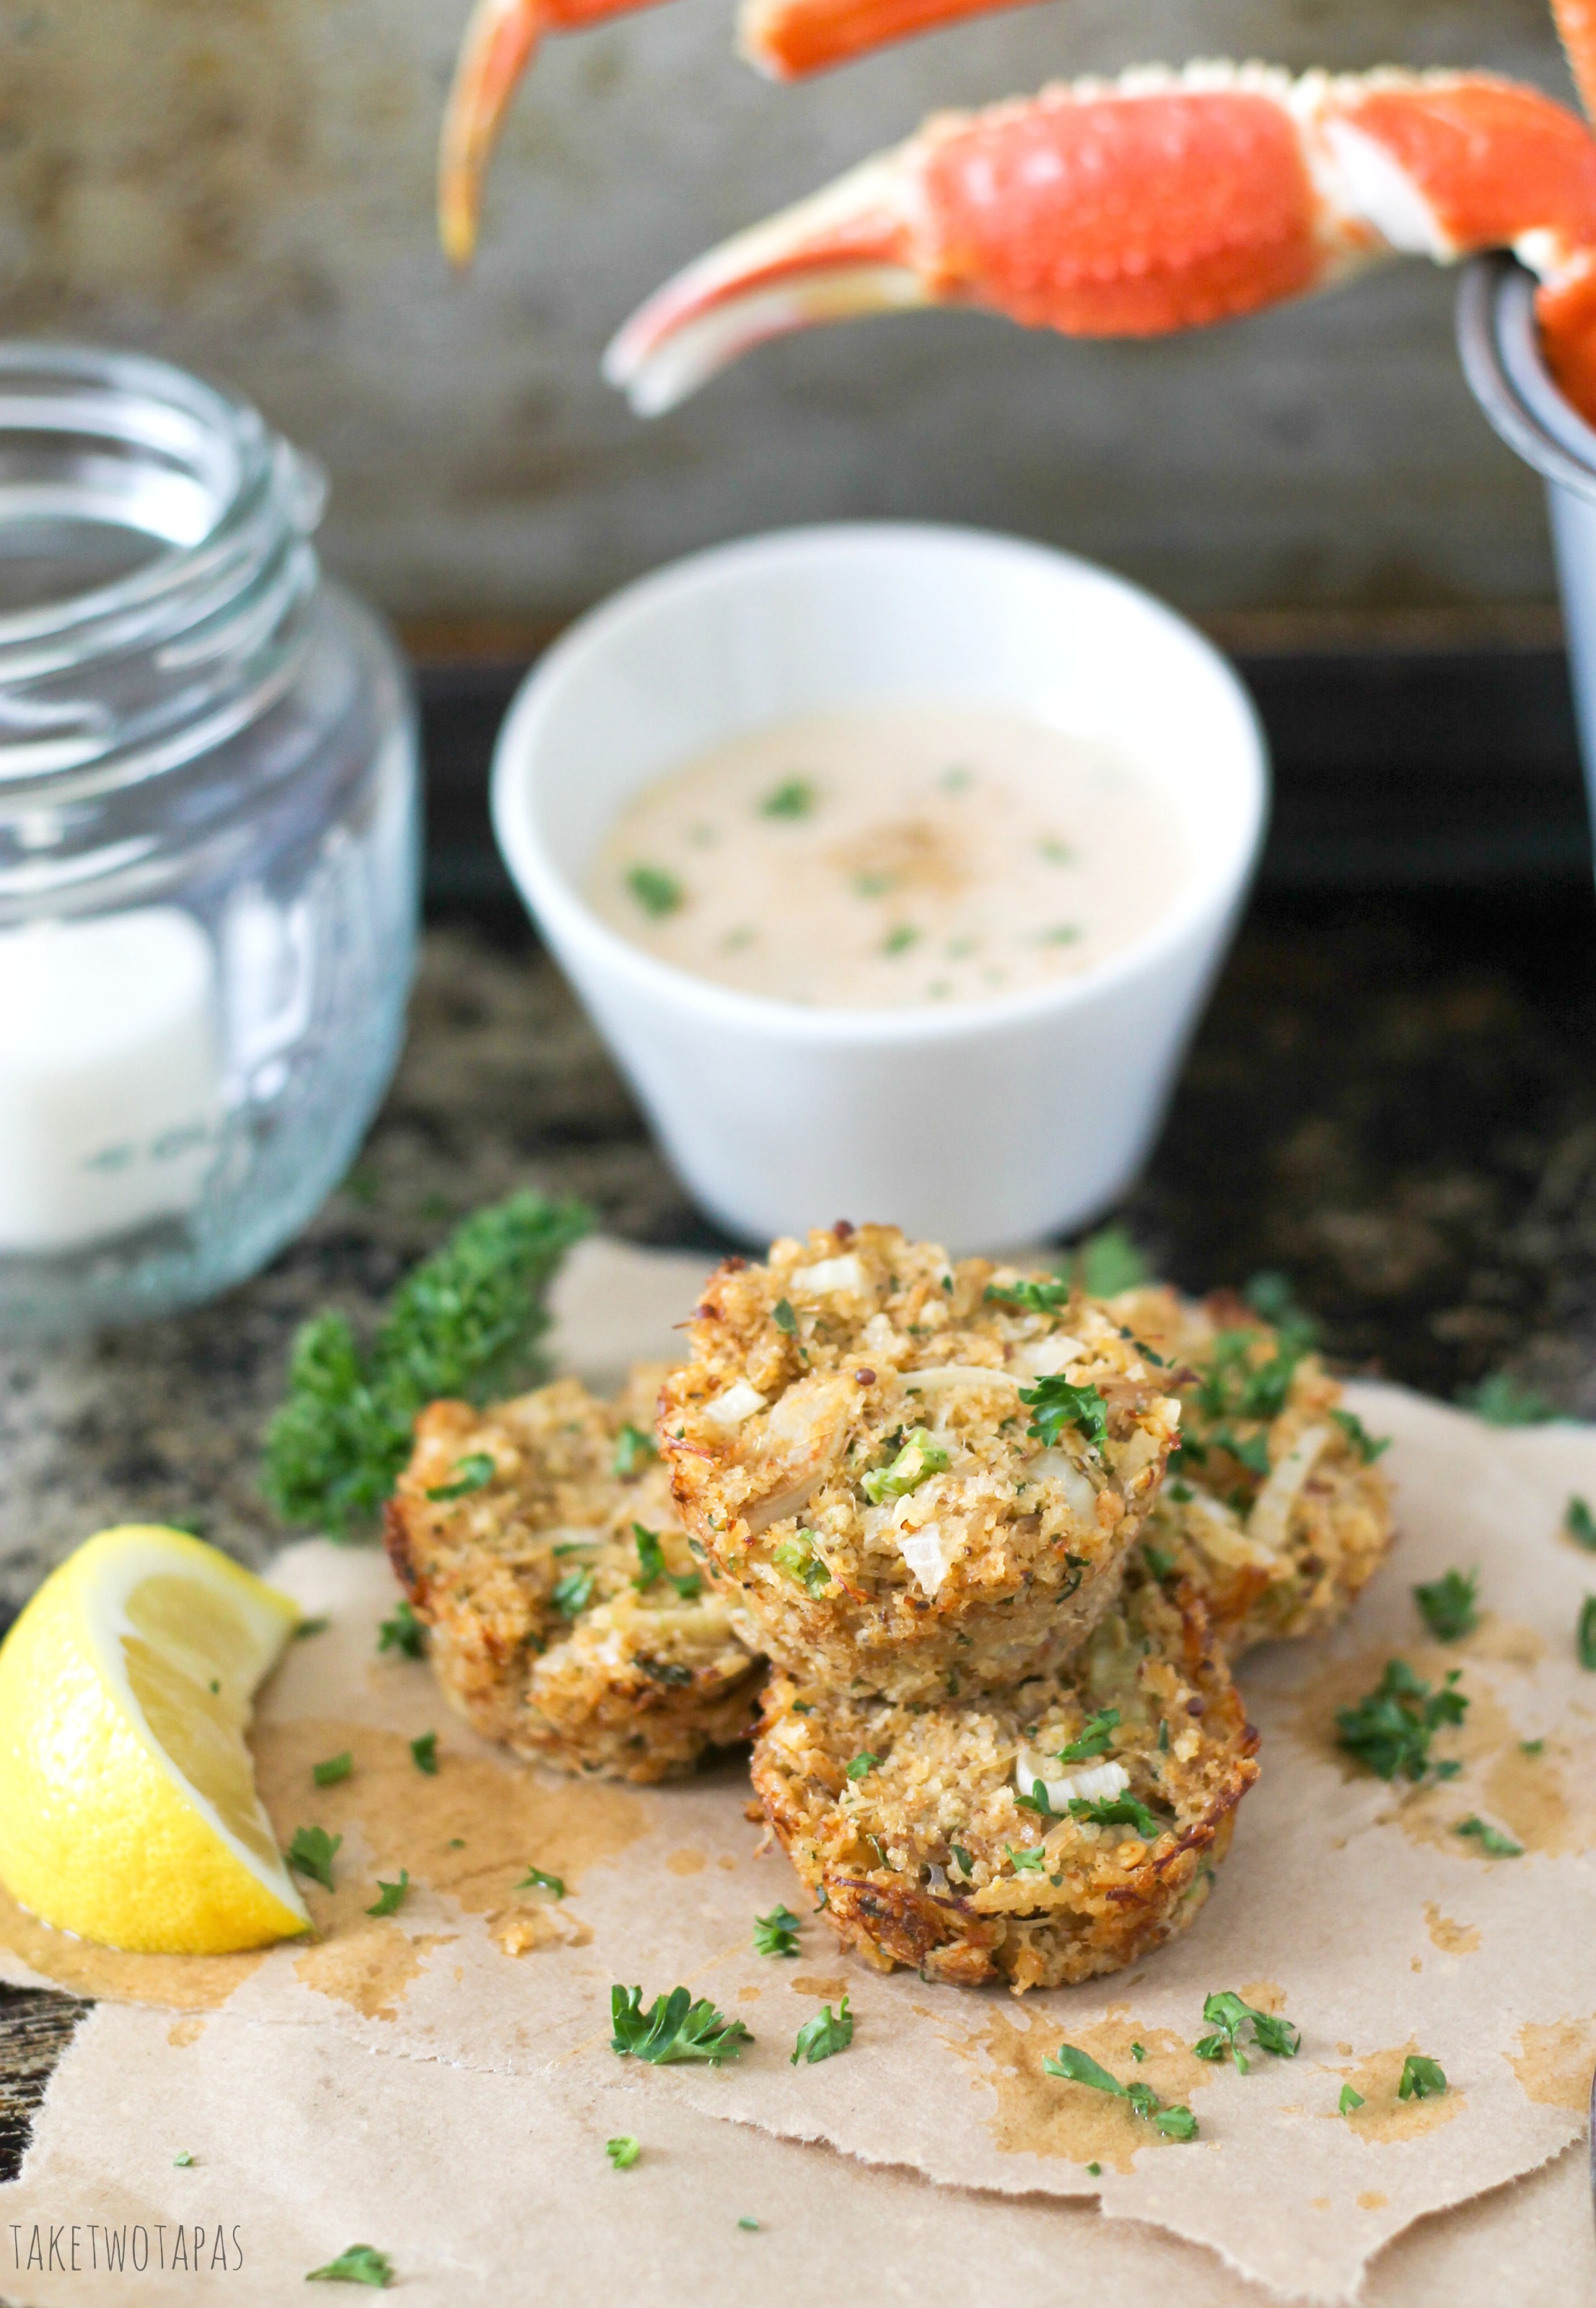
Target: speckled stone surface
1395,1103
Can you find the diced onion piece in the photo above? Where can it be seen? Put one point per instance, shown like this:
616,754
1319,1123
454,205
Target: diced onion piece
944,1378
1271,1509
1056,1466
829,1274
922,1551
739,1401
1048,1356
1096,1783
1223,1540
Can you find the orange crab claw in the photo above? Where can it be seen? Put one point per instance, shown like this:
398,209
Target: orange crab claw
1158,203
501,39
788,39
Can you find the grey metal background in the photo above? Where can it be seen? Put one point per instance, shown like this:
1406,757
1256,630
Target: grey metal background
246,186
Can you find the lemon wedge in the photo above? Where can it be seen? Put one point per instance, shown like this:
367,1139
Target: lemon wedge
128,1810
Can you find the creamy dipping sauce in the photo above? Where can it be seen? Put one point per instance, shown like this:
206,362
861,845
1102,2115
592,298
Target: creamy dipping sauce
878,857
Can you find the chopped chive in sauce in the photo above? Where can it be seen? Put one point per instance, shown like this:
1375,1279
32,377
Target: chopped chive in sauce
793,798
659,893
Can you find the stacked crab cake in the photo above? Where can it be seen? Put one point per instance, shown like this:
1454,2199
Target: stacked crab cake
987,1752
1274,1507
570,1617
1040,1835
923,1480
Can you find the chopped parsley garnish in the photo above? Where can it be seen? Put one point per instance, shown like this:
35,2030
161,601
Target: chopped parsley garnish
1094,1737
688,1584
1580,1523
752,2226
634,1448
962,1860
624,2152
573,1593
466,1322
822,2037
1108,1263
1229,2018
793,798
1095,2171
798,1556
1390,1731
673,2028
1235,1384
783,1317
674,1673
1350,2099
1032,1297
1490,1839
1055,1403
184,2160
390,1896
899,940
1531,1746
651,1557
1138,2053
1078,2067
1251,1451
1449,1605
921,1455
1422,2079
659,893
863,1764
474,1472
777,1933
362,2263
424,1753
335,1768
308,1627
1269,1295
1119,1811
1584,1636
1367,1446
311,1852
1027,1862
403,1633
1502,1401
535,1879
1035,1798
1158,1561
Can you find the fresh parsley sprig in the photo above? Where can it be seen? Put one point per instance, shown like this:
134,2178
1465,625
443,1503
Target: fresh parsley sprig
1449,1605
361,2263
1078,2067
1367,1446
1054,1404
1119,1811
1092,1739
1422,2079
312,1852
623,2151
472,1473
824,2036
634,1448
465,1322
777,1933
673,2028
390,1896
1229,2019
1490,1839
1391,1729
1030,1297
403,1633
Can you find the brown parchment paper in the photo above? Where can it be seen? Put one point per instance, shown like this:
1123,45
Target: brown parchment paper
1354,1908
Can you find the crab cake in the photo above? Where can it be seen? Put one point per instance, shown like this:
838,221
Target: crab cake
923,1477
1042,1837
1273,1506
569,1617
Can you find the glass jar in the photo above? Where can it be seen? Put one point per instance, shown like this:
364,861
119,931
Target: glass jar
208,844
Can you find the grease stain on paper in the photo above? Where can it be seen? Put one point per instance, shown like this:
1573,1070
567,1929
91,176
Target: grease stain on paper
1452,1938
1039,2114
176,1982
825,1988
370,1970
1384,2117
1553,2063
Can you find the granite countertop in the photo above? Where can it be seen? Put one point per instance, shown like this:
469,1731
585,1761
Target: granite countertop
1392,1101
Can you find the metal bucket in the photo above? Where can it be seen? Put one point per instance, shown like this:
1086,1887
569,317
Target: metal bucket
1501,356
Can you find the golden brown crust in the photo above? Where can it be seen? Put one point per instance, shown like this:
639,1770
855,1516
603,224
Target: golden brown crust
914,1853
546,1632
814,1373
1281,1554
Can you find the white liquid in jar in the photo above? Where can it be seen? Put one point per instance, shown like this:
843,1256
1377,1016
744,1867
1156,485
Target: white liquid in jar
882,857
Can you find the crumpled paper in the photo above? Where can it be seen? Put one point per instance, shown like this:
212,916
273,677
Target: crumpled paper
1353,1906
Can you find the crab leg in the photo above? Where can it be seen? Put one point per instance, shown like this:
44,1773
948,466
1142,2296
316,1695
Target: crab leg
1156,202
501,39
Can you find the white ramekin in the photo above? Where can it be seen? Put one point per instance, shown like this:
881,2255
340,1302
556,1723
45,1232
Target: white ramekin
982,1125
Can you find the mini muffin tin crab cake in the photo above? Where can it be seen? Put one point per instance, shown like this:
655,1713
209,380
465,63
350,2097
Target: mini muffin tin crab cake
923,1478
1274,1507
1042,1835
569,1616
